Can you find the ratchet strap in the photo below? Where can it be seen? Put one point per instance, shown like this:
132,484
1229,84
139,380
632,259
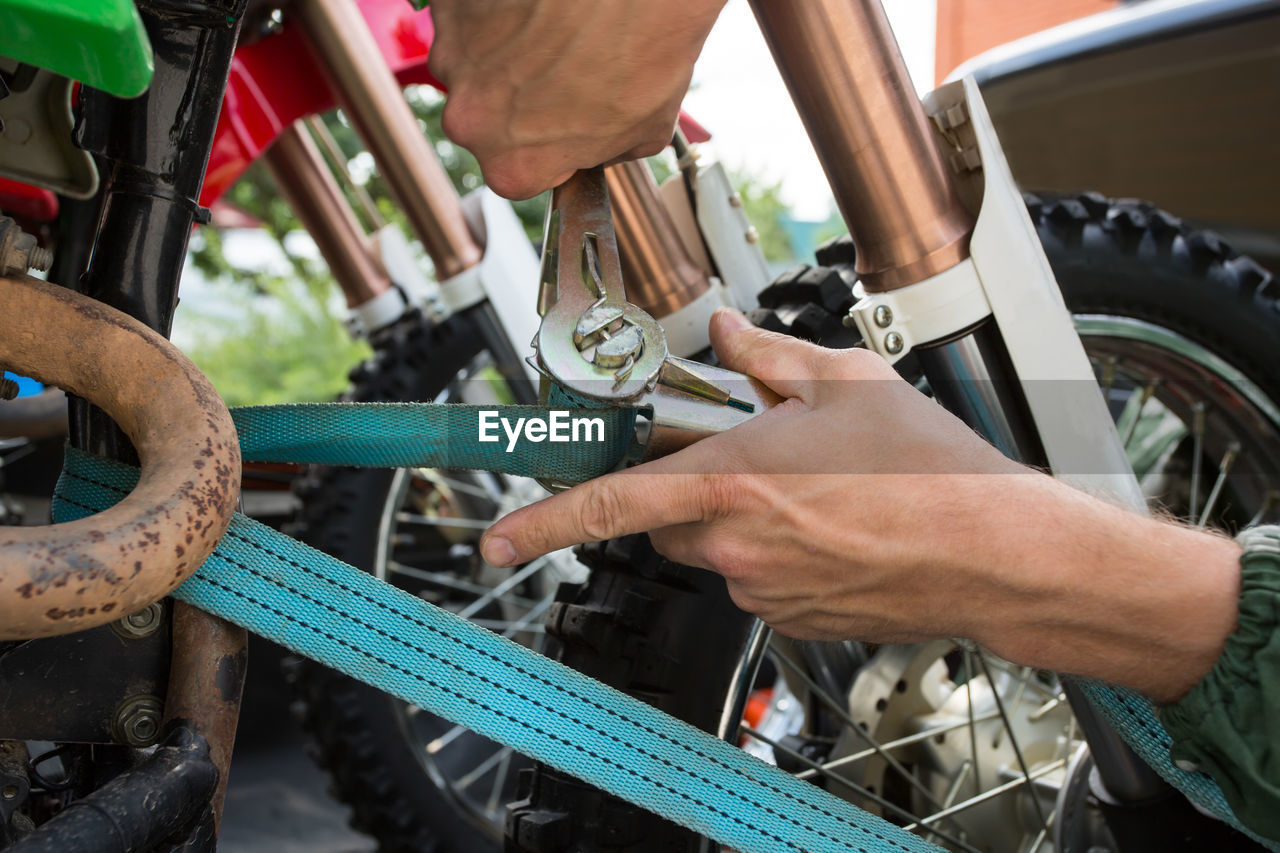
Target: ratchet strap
322,608
426,435
326,610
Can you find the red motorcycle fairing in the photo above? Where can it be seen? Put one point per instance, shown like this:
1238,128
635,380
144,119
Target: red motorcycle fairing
277,80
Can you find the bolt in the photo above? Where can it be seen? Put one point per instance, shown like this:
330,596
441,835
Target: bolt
137,721
883,316
9,792
8,388
735,200
753,236
39,258
893,343
141,624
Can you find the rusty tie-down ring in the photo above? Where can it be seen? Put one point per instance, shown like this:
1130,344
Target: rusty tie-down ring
68,577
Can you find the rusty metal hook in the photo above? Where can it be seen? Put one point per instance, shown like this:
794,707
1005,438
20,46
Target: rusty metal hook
61,578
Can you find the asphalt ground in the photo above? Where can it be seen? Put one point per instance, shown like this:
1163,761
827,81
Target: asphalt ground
277,798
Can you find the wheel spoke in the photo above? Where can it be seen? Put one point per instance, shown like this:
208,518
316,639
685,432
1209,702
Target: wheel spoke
990,794
499,784
837,708
1197,454
851,785
973,731
1224,468
435,476
429,521
1144,396
1108,376
501,589
482,768
1013,736
506,625
895,744
453,582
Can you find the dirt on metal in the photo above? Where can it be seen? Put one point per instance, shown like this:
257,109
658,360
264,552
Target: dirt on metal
61,578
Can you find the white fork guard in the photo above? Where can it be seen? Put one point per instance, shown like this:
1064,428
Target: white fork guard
1070,414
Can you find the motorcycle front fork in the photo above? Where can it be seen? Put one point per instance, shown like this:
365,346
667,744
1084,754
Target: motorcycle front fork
937,221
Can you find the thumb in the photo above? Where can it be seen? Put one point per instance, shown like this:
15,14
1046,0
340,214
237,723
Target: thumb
787,365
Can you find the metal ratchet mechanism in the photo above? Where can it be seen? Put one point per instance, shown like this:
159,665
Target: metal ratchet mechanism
598,346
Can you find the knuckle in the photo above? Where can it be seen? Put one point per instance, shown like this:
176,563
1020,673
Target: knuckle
742,599
509,182
653,144
859,363
460,122
601,509
717,496
724,559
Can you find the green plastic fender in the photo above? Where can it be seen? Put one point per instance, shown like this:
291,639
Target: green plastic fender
101,43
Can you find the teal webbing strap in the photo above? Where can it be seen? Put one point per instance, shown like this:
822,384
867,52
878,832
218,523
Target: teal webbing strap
422,435
1133,716
326,610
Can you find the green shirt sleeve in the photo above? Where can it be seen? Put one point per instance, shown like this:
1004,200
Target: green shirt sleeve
1229,724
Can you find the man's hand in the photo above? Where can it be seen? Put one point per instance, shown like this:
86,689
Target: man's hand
812,510
860,509
541,88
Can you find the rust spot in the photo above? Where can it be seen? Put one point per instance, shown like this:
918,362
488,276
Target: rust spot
108,607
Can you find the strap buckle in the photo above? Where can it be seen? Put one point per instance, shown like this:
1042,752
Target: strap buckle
596,345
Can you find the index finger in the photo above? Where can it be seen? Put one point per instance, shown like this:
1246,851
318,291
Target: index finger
656,494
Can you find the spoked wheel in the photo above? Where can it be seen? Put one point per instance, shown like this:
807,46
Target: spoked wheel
428,545
962,747
414,781
970,751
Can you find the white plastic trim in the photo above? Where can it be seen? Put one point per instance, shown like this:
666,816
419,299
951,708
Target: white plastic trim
920,313
687,329
730,237
507,276
1071,417
385,308
405,267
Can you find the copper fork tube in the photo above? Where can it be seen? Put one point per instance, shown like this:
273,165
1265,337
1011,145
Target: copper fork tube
657,271
372,97
842,65
304,180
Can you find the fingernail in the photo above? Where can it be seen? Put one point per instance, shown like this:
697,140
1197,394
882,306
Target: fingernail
733,319
497,552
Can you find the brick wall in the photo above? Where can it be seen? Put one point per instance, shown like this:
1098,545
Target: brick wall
968,27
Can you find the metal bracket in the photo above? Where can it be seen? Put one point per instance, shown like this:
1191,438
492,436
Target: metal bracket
895,322
36,123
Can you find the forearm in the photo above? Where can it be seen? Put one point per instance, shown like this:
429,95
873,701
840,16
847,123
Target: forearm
1094,590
